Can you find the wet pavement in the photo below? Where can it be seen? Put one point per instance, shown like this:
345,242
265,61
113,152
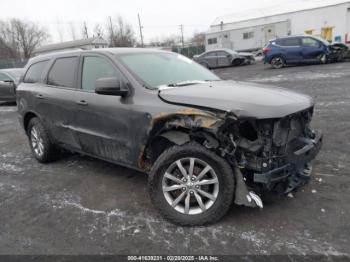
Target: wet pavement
79,205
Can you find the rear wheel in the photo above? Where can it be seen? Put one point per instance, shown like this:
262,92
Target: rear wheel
277,62
191,185
42,148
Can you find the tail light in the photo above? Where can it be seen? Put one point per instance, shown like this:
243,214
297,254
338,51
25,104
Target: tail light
266,50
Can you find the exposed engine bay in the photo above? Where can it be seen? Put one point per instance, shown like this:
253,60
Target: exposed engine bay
265,154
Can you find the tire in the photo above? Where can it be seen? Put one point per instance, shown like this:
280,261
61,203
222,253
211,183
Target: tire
42,148
196,215
277,62
323,59
237,62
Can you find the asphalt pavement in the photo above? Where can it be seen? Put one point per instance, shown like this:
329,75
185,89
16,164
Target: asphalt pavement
79,205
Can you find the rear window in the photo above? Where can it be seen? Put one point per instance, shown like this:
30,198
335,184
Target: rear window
34,72
63,72
288,42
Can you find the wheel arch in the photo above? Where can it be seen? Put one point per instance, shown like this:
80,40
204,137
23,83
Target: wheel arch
177,128
26,119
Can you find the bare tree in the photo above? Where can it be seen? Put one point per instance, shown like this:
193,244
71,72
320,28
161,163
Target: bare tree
198,39
120,33
84,31
21,37
72,30
98,30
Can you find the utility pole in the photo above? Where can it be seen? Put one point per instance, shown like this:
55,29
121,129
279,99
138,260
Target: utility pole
182,36
86,31
138,15
111,31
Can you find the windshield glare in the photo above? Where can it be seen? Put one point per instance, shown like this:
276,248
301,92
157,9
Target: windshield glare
164,69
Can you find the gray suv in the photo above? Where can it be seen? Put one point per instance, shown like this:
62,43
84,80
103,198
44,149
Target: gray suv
204,142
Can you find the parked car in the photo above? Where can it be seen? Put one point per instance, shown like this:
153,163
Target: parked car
301,49
9,79
223,57
204,142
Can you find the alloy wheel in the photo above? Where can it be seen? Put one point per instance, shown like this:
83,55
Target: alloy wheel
190,186
37,141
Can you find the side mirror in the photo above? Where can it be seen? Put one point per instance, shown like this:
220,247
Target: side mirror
110,86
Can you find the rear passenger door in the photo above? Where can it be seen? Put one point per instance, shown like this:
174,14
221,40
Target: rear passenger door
103,120
56,99
212,59
292,50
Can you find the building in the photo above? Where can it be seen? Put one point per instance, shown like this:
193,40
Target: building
89,43
252,30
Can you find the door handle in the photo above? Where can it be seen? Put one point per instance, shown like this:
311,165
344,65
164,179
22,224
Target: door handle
82,103
39,96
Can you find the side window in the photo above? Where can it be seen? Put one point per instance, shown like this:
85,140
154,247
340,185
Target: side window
211,54
222,53
63,72
310,42
94,68
34,72
4,77
290,42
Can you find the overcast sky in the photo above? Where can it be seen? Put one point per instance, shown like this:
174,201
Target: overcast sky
160,18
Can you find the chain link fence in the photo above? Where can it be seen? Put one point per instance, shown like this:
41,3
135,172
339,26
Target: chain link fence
12,63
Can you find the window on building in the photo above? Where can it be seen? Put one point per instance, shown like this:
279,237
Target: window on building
309,32
63,72
94,68
248,35
212,41
34,72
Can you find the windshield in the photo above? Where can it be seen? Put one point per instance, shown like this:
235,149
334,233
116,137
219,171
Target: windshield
166,69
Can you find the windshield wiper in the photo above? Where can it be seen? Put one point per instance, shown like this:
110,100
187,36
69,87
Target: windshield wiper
186,83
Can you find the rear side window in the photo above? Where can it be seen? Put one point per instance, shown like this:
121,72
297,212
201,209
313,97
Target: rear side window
288,42
94,68
211,54
63,72
34,72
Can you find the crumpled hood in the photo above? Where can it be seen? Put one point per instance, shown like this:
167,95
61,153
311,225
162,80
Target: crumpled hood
242,98
245,54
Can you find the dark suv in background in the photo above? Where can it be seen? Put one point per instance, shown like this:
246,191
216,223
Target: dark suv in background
203,141
302,49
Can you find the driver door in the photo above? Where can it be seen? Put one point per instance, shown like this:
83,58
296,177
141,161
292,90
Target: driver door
311,49
102,121
7,87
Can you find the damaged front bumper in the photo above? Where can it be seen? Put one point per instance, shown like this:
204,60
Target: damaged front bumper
296,172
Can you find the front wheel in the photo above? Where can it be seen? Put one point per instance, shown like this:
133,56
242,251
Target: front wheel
191,186
277,62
